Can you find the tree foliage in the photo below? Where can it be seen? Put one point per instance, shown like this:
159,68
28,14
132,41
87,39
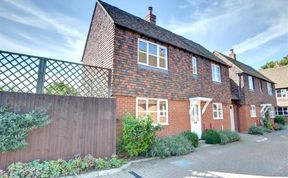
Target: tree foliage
60,88
272,64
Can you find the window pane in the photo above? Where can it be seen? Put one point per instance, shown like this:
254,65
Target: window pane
152,61
163,106
162,62
142,105
215,114
143,57
143,46
163,120
152,49
141,114
214,107
152,105
153,117
162,52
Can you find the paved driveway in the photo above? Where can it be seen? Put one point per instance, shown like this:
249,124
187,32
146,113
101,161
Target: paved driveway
254,156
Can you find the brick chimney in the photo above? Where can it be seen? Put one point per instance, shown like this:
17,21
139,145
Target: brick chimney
150,17
232,54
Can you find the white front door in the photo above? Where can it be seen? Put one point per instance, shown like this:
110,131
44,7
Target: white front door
195,118
232,118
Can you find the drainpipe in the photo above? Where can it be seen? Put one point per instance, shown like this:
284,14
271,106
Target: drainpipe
239,102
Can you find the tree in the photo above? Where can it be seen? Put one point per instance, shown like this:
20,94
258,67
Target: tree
272,64
60,88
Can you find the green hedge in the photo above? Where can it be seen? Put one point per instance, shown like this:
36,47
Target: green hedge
56,168
220,137
192,137
14,127
170,146
254,130
280,120
138,134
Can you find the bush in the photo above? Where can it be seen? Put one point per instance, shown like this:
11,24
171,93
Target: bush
280,120
254,130
228,137
138,134
171,146
56,168
278,126
223,138
14,127
211,137
192,137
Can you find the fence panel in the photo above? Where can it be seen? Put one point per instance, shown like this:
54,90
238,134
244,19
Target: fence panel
32,74
80,125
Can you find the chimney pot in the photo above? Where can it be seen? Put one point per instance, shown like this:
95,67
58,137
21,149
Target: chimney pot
232,54
150,17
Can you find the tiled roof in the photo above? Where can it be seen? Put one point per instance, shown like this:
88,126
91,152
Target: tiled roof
148,29
245,68
278,74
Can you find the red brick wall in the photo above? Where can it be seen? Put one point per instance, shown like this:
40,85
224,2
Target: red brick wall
178,116
177,83
100,42
246,120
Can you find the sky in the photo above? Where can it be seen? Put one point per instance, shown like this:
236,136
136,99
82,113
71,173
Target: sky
257,30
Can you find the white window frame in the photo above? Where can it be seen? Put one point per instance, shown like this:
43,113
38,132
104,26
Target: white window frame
194,65
158,109
253,111
269,88
282,108
261,86
283,93
251,83
219,114
216,73
158,54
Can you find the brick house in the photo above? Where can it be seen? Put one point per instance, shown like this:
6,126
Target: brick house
178,82
252,93
280,76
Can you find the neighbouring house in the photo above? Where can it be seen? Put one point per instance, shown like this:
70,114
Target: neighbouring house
156,72
280,76
252,93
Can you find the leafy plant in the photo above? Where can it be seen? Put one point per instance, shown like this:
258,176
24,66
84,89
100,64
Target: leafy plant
223,138
14,127
280,120
60,88
228,137
170,146
211,136
56,168
254,130
138,134
192,137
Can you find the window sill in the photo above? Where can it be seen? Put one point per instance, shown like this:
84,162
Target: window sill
219,118
252,90
151,68
195,76
253,116
217,82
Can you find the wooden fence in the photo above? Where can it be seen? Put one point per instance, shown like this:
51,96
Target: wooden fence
80,125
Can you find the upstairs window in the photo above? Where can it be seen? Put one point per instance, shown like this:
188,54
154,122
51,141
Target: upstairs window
252,111
269,88
282,93
216,73
151,54
251,83
217,111
194,65
260,86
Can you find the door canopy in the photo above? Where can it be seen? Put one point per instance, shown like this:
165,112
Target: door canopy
197,99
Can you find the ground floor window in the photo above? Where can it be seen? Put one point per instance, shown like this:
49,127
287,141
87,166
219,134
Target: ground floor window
156,108
217,111
252,111
281,111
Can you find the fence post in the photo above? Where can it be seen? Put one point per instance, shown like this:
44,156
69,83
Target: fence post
41,75
109,83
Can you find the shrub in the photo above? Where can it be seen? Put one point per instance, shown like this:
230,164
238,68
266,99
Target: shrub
211,137
192,137
56,168
268,124
223,138
138,134
278,126
228,137
280,120
170,146
254,130
14,127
